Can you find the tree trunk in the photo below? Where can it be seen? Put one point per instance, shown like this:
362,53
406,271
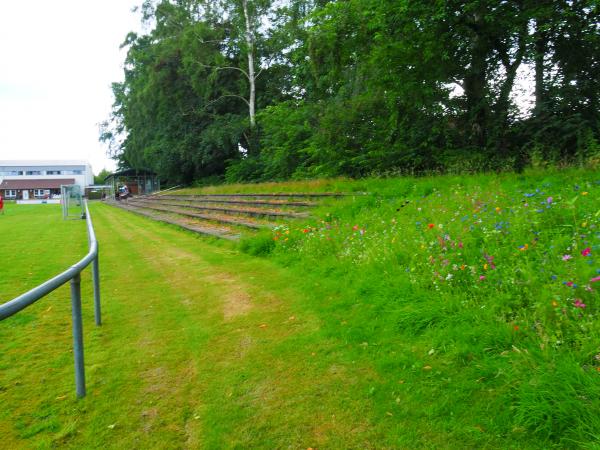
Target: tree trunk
541,44
476,79
511,68
251,75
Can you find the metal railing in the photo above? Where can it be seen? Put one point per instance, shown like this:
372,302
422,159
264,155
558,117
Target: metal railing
71,274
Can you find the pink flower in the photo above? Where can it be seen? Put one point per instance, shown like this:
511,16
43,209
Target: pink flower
566,257
586,251
595,279
570,283
482,277
579,304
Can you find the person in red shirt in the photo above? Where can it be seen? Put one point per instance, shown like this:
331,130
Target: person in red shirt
1,204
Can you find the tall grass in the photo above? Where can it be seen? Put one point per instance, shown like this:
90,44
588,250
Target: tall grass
479,292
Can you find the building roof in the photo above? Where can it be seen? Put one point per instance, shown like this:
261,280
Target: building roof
36,184
42,162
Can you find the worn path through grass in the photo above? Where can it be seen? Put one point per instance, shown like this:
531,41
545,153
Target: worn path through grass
200,347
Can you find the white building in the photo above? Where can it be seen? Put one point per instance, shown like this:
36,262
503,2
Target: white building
29,179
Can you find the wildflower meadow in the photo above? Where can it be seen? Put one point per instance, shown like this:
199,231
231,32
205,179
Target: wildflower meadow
476,297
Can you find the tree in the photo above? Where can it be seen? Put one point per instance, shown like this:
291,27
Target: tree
258,89
99,179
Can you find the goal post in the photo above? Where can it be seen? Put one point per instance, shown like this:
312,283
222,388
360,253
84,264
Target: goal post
71,199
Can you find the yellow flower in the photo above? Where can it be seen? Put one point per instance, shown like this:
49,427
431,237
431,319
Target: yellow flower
485,267
585,193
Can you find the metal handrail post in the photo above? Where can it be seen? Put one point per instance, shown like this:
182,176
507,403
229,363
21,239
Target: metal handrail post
96,280
72,274
77,335
95,266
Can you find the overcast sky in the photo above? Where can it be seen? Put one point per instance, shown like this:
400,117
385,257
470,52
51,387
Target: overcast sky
57,60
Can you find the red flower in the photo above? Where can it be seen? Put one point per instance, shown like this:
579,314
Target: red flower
430,225
586,251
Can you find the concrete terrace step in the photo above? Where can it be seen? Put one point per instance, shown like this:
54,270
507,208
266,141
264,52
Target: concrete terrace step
209,217
254,212
233,200
272,195
223,215
220,232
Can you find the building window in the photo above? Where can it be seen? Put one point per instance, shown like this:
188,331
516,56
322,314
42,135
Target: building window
53,172
41,193
10,193
33,172
10,173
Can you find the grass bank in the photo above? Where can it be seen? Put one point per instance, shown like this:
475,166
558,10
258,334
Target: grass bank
474,298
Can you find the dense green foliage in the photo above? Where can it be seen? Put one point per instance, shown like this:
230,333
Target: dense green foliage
357,87
99,179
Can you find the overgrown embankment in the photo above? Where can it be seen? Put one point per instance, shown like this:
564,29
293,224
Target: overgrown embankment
476,298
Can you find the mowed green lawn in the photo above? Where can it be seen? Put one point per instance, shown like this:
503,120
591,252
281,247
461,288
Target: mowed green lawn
200,346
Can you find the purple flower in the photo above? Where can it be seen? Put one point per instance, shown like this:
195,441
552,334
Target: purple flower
566,257
549,200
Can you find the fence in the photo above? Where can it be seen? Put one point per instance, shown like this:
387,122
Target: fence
72,274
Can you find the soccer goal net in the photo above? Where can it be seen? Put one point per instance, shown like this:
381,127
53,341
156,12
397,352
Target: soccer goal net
72,201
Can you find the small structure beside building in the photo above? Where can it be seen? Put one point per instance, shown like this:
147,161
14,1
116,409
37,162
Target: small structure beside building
98,191
137,182
41,179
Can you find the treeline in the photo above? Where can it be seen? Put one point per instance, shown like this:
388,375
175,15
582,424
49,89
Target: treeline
265,89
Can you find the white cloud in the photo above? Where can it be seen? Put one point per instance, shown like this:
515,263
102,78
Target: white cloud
58,60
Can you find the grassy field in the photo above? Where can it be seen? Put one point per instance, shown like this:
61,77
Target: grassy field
442,312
